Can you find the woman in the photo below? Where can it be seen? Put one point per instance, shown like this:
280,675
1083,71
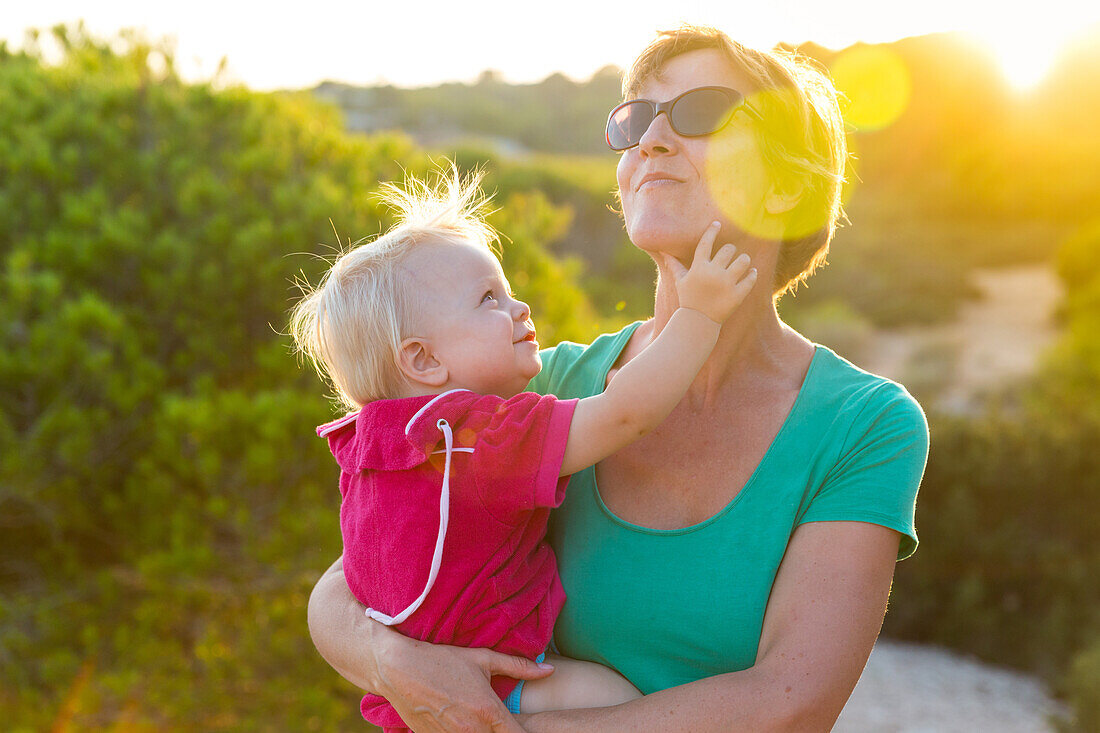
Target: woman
735,563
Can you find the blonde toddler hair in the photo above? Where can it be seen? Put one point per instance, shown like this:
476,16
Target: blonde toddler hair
352,324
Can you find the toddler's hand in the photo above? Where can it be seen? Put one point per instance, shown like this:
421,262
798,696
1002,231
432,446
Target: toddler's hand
716,285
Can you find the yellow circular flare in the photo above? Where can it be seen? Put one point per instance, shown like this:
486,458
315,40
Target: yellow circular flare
738,180
875,82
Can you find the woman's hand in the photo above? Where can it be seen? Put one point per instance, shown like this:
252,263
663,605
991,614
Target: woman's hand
434,687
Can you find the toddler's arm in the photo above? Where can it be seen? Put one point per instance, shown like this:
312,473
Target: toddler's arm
575,684
646,389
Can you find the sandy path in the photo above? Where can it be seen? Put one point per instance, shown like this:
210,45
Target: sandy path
912,688
996,339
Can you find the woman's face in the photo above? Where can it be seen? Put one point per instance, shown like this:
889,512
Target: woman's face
672,187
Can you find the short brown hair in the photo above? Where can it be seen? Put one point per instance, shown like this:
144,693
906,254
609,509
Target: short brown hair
802,137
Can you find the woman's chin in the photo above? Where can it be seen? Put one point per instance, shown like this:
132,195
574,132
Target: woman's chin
675,234
655,244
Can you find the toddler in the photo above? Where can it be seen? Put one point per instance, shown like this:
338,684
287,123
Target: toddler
448,468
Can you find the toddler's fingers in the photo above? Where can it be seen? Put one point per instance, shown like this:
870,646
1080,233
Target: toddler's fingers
724,256
740,265
744,285
706,242
673,265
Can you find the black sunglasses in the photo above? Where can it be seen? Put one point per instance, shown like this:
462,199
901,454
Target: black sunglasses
696,112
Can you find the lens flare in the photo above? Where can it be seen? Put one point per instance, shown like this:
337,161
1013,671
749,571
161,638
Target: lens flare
738,179
760,175
875,82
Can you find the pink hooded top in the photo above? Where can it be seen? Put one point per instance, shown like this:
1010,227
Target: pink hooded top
445,503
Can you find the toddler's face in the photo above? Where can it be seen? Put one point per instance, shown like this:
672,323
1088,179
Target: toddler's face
466,311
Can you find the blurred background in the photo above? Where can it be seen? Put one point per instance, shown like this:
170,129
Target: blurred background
165,506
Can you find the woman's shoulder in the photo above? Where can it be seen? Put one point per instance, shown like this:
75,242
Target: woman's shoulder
841,387
872,439
577,370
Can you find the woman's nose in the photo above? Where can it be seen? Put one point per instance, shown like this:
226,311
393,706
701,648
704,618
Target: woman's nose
659,137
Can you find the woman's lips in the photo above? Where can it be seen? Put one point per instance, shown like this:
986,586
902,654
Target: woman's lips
652,181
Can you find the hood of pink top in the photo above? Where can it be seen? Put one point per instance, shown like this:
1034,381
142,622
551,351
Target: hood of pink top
393,435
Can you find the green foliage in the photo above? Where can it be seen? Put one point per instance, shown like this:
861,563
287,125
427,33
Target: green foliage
888,278
1083,684
561,310
1009,555
165,504
556,114
1071,376
1079,266
1007,514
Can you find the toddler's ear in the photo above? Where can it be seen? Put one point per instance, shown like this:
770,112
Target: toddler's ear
419,365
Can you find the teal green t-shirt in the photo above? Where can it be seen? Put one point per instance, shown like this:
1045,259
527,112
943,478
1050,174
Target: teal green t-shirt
666,607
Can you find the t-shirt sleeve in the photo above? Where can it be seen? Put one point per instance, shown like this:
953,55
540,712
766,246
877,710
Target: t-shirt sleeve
518,453
877,476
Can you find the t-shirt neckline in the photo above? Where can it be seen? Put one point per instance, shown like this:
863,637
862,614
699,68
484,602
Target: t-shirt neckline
796,407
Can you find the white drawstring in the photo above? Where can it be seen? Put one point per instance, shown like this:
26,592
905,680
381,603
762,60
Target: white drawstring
437,556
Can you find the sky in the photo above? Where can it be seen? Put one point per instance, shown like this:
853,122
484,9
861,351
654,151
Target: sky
413,43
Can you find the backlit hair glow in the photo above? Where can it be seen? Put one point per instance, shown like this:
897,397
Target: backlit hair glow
351,325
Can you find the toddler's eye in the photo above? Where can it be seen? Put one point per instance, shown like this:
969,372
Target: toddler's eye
488,296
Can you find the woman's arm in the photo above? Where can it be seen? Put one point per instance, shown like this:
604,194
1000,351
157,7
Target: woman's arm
339,628
823,616
432,687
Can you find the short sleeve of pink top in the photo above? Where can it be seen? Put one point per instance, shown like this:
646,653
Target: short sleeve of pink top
495,578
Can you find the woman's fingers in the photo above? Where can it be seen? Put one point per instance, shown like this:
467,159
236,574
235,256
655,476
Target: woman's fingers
518,668
437,688
486,715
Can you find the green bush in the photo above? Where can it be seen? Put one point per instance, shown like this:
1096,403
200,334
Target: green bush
1083,686
1008,551
1008,512
165,503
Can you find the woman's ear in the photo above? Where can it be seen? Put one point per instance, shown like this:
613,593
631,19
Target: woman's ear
419,365
781,200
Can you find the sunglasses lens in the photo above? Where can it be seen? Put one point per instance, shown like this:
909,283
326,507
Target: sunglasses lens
694,113
627,125
702,112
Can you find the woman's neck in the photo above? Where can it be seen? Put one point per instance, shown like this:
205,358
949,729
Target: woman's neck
753,345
